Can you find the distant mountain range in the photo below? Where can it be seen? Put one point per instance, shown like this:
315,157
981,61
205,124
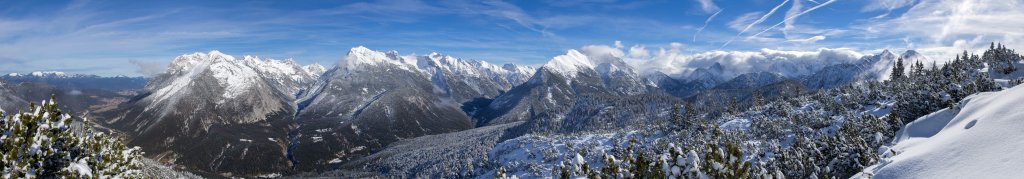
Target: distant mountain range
78,81
219,115
80,94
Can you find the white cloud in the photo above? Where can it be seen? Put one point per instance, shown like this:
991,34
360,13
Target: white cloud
676,45
742,21
789,63
792,12
943,28
708,6
874,5
638,51
618,44
758,21
794,16
706,22
149,68
808,40
602,53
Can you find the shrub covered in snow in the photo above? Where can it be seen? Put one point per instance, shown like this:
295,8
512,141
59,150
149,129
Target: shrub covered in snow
45,143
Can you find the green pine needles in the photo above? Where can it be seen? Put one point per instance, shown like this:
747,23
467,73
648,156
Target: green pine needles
46,143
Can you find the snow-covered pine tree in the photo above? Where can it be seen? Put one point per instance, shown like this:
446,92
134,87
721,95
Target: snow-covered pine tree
677,117
897,70
46,143
501,173
725,162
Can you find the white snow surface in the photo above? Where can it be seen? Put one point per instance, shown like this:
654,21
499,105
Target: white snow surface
236,76
475,68
569,64
983,139
362,56
82,167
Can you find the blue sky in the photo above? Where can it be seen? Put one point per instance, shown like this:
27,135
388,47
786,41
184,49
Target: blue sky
140,37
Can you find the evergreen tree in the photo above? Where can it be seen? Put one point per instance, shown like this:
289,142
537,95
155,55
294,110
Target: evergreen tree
677,117
757,100
726,163
500,174
734,105
897,70
45,143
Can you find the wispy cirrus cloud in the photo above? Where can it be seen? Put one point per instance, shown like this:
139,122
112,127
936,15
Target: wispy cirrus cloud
889,5
708,6
706,22
791,17
808,40
756,22
943,28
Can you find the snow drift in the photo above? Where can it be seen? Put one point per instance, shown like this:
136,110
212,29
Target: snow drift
981,139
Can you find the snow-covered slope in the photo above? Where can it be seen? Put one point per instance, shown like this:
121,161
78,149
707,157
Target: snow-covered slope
437,156
237,75
876,67
566,93
814,70
983,139
373,98
215,113
9,102
463,79
879,66
751,80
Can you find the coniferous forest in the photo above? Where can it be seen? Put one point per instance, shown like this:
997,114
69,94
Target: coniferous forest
830,133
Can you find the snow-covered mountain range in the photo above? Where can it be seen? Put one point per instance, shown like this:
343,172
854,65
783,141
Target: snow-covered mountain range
214,113
292,116
551,91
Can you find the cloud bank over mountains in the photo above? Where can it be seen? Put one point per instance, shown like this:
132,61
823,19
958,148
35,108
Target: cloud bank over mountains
673,61
943,28
111,38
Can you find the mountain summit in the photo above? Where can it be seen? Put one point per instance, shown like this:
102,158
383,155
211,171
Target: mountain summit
216,113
